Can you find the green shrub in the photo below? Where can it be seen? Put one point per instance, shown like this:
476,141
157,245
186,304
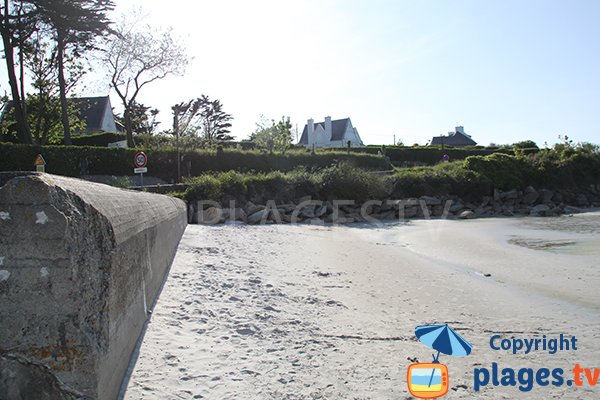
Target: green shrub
204,187
503,171
442,179
343,181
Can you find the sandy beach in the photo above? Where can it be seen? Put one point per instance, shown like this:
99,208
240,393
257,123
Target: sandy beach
329,312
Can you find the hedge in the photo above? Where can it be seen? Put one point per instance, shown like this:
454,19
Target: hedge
426,155
67,160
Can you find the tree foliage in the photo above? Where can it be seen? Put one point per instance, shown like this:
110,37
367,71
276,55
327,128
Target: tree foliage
143,119
75,25
272,135
202,117
48,37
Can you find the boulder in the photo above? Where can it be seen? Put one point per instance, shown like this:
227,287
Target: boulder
546,196
408,212
582,200
467,214
251,208
258,216
572,210
236,214
530,195
511,194
320,211
456,207
430,200
211,216
541,210
497,195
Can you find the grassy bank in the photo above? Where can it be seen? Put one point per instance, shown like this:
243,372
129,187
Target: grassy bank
572,169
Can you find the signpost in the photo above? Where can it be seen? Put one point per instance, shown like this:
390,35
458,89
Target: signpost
40,163
139,161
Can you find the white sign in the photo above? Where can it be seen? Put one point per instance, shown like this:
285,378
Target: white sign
122,144
140,170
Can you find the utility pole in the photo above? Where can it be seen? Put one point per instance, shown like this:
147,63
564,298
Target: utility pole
394,139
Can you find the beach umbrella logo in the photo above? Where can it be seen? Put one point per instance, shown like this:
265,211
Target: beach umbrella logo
430,380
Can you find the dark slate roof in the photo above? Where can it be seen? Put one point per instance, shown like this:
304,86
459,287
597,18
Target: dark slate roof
453,139
91,110
338,128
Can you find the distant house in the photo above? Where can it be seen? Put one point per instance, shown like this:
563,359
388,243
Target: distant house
458,138
337,133
97,113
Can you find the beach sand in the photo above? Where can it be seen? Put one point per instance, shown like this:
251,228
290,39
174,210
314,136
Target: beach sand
329,312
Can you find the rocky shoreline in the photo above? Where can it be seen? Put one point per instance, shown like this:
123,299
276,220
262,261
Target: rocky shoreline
527,202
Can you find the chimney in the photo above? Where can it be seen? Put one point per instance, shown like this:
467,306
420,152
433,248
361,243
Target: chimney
460,129
328,131
310,125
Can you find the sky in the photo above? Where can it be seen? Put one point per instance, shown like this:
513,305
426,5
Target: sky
505,70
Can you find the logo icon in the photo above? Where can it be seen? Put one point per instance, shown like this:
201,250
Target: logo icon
430,380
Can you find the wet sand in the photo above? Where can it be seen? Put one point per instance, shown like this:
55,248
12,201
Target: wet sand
314,312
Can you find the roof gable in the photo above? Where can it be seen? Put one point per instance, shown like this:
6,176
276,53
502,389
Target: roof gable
454,139
338,129
92,110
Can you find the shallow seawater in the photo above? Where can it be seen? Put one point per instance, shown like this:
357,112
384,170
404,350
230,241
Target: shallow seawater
585,223
582,234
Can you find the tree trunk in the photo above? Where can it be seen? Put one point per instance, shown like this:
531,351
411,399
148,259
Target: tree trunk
128,127
22,125
64,110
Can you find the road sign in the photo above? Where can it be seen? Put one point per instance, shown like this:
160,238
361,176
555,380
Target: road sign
40,163
140,160
142,170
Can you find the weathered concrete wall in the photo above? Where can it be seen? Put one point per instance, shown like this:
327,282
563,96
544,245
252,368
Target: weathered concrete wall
80,265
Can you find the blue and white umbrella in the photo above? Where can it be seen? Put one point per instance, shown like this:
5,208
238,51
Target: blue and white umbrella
443,339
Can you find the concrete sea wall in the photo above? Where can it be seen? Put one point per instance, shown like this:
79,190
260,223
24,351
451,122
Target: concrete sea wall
81,264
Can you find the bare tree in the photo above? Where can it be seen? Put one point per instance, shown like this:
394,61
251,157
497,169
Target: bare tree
137,57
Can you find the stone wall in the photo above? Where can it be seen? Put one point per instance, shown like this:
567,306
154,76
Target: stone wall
81,264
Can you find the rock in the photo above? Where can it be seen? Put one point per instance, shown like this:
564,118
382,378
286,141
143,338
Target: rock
530,195
456,207
431,201
385,215
437,211
497,194
408,212
303,199
467,214
308,212
582,200
485,201
511,194
541,210
258,216
320,211
236,214
211,216
251,208
572,210
287,208
507,213
546,196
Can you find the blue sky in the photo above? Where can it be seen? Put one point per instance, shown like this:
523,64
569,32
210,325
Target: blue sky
505,70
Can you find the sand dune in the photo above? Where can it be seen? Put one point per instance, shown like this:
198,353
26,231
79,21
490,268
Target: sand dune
312,312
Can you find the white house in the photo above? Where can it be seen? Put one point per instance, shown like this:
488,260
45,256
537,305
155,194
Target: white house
337,133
